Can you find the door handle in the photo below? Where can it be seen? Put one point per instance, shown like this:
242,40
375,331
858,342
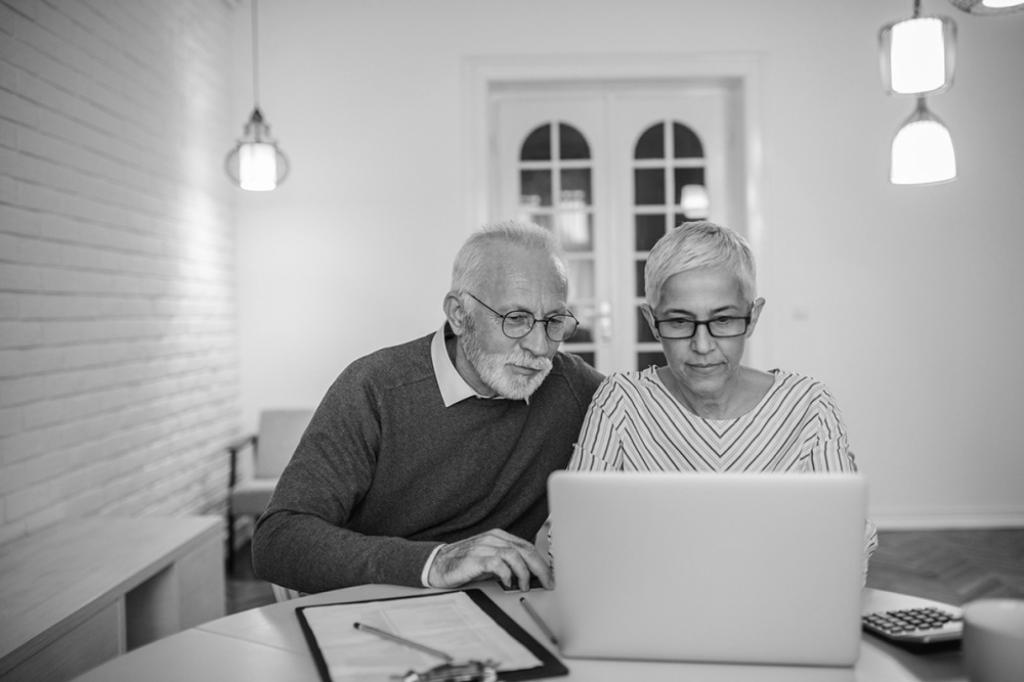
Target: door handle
604,321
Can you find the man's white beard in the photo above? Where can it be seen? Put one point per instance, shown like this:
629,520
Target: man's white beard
492,370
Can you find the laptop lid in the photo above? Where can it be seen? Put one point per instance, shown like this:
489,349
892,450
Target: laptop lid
723,567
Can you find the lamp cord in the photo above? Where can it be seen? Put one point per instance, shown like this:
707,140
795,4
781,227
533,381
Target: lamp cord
917,8
255,56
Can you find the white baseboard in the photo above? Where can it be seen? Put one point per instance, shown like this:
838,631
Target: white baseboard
934,520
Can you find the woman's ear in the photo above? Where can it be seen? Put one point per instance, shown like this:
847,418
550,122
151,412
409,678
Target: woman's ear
455,312
649,316
755,315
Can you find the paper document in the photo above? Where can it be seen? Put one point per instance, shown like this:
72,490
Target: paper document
449,622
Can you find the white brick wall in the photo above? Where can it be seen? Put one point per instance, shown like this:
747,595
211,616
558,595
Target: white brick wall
118,350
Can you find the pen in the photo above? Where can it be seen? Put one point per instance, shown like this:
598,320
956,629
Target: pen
363,627
538,620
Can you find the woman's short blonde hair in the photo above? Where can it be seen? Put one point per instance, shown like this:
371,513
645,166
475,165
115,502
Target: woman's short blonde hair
694,246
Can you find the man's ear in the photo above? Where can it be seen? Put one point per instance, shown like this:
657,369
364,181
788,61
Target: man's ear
755,315
455,312
649,316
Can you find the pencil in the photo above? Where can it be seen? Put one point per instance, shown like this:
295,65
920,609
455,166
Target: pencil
538,620
363,627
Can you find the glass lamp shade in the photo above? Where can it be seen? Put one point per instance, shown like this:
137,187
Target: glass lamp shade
917,55
256,163
988,7
922,150
694,201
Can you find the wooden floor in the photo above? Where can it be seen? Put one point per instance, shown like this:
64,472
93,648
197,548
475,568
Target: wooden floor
952,566
245,590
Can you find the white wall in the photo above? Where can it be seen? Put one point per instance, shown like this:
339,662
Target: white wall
877,290
118,346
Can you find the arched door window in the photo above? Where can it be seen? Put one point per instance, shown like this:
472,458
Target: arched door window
556,192
668,188
604,167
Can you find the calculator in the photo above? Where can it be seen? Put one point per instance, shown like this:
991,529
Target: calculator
916,626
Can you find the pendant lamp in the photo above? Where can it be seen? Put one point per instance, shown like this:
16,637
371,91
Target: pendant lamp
256,163
988,7
917,54
694,202
922,150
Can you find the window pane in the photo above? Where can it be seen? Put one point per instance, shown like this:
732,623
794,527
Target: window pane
649,186
685,176
651,144
585,314
576,229
581,280
640,281
527,204
542,219
537,146
535,187
649,229
648,358
571,143
588,357
643,331
685,143
576,185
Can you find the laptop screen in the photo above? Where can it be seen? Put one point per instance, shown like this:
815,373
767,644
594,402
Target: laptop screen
752,568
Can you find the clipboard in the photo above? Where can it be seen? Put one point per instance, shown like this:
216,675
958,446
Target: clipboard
550,665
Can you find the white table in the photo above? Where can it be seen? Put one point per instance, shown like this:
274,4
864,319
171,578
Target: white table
267,644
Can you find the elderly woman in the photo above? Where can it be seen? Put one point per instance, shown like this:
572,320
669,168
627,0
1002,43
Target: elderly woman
704,411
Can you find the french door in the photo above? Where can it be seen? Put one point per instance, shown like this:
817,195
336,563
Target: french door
610,169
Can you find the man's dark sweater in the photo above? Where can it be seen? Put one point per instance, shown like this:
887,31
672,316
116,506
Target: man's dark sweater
385,472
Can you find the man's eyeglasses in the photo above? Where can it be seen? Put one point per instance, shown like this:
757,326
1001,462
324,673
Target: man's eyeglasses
722,327
519,323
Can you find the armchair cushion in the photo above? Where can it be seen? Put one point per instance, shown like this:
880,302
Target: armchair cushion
251,497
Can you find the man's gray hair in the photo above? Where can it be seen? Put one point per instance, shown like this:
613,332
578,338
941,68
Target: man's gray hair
697,245
473,265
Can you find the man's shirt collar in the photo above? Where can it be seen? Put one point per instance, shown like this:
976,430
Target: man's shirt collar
453,387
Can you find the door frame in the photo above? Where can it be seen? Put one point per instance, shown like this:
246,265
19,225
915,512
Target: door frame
481,75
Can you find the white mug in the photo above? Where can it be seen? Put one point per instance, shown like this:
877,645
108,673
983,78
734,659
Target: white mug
993,640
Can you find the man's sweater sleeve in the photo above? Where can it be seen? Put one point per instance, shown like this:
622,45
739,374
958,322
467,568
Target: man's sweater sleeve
302,541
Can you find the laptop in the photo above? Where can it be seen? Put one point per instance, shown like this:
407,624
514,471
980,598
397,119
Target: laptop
759,568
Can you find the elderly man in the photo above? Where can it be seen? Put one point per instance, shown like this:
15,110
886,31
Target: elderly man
426,463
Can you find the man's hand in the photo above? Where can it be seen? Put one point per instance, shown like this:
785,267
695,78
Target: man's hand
494,553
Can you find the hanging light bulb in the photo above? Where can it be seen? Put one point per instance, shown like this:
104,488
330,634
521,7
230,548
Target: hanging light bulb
918,54
256,163
922,150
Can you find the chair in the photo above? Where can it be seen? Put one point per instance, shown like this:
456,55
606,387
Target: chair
252,478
